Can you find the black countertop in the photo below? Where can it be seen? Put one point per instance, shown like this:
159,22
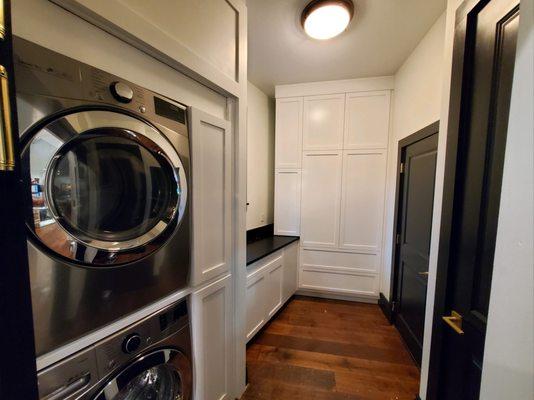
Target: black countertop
258,249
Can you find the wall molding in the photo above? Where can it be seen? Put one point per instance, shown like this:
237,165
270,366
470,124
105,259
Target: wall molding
386,307
335,87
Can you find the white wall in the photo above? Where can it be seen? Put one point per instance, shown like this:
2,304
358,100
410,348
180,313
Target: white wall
416,104
49,25
260,158
508,370
509,354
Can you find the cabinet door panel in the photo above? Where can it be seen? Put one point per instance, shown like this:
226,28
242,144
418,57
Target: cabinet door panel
211,326
367,120
323,122
211,173
287,203
321,192
290,281
362,205
256,303
274,279
288,136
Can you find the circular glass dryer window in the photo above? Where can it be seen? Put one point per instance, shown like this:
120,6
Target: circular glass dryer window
161,375
107,188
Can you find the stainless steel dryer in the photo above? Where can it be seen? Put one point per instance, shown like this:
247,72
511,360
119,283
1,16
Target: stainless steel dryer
148,360
106,167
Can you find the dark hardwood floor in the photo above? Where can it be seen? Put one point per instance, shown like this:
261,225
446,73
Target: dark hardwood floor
317,349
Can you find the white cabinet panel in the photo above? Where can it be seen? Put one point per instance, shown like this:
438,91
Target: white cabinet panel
355,261
321,192
256,303
290,279
367,120
339,280
287,202
288,136
362,205
274,278
323,122
211,145
211,319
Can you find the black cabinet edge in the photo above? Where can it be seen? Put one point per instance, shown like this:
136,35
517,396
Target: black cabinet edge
385,306
291,239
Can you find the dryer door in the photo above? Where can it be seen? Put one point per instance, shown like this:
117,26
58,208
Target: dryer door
161,375
107,188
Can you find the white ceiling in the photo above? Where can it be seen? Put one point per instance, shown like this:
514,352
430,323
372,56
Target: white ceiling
381,36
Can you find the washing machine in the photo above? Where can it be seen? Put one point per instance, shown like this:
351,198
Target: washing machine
106,167
149,360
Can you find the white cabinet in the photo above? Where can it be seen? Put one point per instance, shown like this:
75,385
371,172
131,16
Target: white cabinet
367,120
290,278
323,122
288,133
271,281
362,202
256,294
321,193
211,145
274,278
287,202
211,319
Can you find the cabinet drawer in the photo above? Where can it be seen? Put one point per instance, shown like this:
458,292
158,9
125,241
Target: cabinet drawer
362,262
339,280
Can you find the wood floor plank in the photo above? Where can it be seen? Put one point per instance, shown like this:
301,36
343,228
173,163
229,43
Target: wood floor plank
323,349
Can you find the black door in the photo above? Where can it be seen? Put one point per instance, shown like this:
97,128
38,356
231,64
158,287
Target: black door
483,63
414,224
17,369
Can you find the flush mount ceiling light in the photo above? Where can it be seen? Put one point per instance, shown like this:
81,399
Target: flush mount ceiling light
324,19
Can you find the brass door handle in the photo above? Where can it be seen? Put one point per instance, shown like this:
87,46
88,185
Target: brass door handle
7,150
455,322
424,273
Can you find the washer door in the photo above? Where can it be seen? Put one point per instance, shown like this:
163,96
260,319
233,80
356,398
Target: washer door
107,188
161,375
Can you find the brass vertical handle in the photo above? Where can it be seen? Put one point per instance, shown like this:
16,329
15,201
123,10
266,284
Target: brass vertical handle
7,150
2,21
455,322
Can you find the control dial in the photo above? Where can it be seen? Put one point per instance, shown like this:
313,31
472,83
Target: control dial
131,343
121,91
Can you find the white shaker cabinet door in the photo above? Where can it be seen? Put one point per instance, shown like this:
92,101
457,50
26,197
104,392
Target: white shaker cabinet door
321,195
287,202
323,122
211,319
288,133
362,204
367,120
291,262
211,160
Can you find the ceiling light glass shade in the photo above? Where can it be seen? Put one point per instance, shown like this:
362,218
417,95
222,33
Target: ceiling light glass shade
325,19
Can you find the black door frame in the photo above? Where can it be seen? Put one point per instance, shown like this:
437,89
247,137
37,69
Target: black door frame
421,134
18,377
460,84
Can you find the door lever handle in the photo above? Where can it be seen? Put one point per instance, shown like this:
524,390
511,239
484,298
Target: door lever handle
424,273
455,322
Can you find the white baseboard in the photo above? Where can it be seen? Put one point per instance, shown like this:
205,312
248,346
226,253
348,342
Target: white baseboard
324,295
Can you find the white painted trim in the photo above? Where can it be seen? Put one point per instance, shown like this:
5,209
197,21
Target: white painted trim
129,26
73,347
333,87
355,298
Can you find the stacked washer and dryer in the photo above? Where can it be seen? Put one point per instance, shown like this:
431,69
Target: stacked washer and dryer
107,167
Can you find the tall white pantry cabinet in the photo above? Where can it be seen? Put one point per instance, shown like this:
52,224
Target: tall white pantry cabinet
330,179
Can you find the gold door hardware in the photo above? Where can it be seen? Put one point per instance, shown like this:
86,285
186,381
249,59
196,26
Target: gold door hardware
2,22
7,151
455,322
424,273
